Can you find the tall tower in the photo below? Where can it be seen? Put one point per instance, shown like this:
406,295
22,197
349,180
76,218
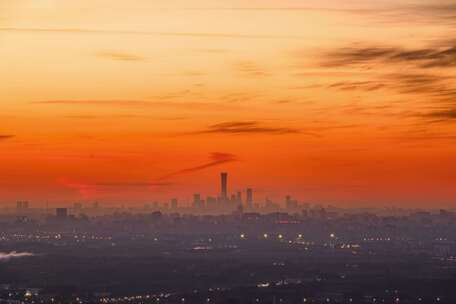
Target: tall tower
197,202
174,204
239,197
224,179
61,213
249,198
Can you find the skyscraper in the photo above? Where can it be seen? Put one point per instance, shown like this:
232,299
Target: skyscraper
291,204
197,202
224,179
249,198
61,213
239,197
22,205
174,204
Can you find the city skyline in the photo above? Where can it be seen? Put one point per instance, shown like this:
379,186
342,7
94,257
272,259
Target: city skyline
340,103
223,201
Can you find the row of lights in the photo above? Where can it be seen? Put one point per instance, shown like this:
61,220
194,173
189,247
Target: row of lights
280,236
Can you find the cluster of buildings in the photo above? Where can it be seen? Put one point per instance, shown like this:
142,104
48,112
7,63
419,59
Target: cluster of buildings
224,203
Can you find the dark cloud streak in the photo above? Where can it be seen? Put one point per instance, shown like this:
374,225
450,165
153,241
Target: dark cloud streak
246,127
189,105
436,57
145,33
120,56
5,137
133,184
216,159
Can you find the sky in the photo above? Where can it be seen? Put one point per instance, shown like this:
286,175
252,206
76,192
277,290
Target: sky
350,103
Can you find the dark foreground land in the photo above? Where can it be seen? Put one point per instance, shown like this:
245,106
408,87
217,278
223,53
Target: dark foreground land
284,262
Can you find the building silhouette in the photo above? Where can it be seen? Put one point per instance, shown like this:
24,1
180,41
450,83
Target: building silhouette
224,190
174,204
249,198
21,205
61,213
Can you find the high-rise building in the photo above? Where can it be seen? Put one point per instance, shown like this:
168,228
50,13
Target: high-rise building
224,180
291,204
197,202
211,202
77,206
22,205
239,197
174,204
61,213
249,198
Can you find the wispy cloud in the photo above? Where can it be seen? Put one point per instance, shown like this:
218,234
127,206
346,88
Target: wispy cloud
5,257
5,137
123,116
134,184
163,102
247,127
145,33
445,115
119,56
358,85
85,190
97,190
251,69
215,159
123,103
430,84
442,56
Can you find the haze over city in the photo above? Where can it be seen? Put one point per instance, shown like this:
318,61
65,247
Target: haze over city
348,103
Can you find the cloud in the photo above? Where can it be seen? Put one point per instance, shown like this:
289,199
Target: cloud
446,115
445,12
246,127
124,116
86,191
358,85
5,137
96,190
439,89
251,69
442,56
215,159
191,105
120,56
133,184
123,103
145,33
430,87
5,257
425,136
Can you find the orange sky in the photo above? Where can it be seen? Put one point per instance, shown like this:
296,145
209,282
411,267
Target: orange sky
133,101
